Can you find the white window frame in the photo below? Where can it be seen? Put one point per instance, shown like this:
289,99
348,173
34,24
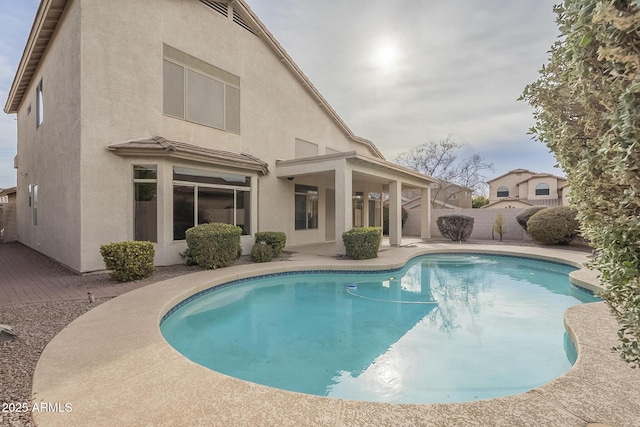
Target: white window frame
39,104
185,93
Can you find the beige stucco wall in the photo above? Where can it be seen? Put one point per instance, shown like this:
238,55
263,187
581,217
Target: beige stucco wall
122,100
551,181
49,155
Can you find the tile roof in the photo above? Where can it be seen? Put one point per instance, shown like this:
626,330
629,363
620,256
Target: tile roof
159,146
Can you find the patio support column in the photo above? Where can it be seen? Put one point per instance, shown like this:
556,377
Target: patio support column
344,203
425,213
365,207
395,213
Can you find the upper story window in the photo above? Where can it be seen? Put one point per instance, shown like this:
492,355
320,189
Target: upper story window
503,191
39,104
199,92
542,189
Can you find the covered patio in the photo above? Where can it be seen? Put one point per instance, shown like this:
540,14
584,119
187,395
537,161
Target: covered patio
354,189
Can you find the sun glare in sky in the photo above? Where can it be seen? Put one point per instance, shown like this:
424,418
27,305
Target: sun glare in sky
385,54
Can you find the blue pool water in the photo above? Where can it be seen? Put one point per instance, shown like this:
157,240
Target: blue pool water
445,328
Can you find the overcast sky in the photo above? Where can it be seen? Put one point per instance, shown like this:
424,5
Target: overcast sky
399,73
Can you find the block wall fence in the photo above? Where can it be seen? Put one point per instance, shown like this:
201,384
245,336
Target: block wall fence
8,222
483,223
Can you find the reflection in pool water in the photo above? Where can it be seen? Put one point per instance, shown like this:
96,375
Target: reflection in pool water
445,328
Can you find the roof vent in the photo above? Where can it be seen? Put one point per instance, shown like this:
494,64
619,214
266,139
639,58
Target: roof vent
240,21
221,8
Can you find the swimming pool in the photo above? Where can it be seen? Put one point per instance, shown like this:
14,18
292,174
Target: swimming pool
445,328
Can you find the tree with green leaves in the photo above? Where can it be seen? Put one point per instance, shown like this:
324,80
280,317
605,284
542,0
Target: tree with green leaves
479,201
587,110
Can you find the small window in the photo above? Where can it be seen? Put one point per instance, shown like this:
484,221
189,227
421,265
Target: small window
35,204
542,189
306,207
39,105
503,191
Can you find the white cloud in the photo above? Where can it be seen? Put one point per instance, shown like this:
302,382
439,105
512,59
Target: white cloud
451,68
460,67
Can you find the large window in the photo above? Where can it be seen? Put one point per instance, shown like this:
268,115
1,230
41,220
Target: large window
145,203
195,96
201,196
503,191
306,206
542,189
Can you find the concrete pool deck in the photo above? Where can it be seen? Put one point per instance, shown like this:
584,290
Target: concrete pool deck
113,367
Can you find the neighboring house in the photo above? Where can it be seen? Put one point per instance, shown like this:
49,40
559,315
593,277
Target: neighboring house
8,195
138,119
521,188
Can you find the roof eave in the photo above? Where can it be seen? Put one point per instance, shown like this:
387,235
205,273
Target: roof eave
44,25
264,34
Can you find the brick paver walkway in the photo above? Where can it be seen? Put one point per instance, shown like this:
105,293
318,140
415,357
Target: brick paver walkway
27,276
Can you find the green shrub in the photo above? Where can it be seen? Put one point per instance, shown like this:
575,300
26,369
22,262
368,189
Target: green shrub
128,260
213,245
526,214
276,239
554,226
385,218
362,242
456,227
261,252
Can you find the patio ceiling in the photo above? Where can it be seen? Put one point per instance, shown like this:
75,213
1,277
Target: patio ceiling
371,169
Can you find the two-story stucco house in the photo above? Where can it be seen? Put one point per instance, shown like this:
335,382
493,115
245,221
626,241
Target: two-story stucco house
138,119
521,188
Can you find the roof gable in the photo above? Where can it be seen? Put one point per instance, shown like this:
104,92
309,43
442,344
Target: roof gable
512,172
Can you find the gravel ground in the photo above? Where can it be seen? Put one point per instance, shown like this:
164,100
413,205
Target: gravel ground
37,323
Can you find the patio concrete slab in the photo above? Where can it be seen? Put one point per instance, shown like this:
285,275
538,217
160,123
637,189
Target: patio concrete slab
113,366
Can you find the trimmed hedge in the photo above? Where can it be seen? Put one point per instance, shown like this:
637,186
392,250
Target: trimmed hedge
213,245
261,252
456,227
526,214
362,242
276,239
554,226
128,260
